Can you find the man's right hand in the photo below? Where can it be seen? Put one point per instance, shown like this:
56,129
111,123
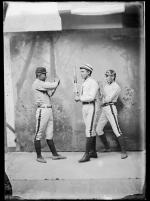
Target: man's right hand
77,98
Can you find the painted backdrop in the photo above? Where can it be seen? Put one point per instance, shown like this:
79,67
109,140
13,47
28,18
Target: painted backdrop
118,49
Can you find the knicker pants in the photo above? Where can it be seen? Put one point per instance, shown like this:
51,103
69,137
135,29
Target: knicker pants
109,113
44,123
88,112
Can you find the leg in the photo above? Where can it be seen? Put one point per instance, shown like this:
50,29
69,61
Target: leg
105,142
49,138
55,156
93,153
41,121
86,156
100,126
37,145
123,147
113,119
88,117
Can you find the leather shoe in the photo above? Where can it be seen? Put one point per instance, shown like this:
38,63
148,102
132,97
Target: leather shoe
124,155
41,160
58,157
85,158
93,155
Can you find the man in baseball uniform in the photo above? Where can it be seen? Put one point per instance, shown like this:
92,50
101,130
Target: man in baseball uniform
111,92
87,96
43,90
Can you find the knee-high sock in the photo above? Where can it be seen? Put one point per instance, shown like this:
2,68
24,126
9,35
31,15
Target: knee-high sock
52,147
37,145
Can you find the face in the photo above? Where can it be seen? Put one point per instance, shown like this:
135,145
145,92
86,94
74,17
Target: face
42,76
84,73
110,78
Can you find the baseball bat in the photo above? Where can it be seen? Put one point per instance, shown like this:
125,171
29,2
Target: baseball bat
75,81
53,64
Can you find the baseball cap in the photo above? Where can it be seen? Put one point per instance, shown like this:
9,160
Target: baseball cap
40,70
87,67
110,72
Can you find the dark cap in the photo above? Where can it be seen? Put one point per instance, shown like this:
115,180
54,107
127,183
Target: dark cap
110,72
40,70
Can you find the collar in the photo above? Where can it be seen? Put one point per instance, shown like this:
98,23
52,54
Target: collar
39,80
111,83
87,79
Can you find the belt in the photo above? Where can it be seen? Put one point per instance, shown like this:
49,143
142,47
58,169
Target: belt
45,106
84,103
110,103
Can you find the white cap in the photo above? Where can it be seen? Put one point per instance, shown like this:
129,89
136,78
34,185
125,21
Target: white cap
87,67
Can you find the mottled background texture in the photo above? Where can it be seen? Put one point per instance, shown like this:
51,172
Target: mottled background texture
118,49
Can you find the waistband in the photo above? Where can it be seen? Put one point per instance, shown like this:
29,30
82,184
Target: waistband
110,103
48,106
85,103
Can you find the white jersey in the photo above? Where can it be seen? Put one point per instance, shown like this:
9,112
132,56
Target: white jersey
111,92
89,90
40,90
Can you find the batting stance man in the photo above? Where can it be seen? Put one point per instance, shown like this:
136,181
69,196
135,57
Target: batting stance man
111,92
43,90
87,96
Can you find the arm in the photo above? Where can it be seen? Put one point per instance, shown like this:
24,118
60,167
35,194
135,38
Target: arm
111,96
51,85
91,93
53,91
77,95
100,91
50,92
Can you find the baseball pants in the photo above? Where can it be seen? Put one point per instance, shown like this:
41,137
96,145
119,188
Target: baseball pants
88,112
109,113
44,123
